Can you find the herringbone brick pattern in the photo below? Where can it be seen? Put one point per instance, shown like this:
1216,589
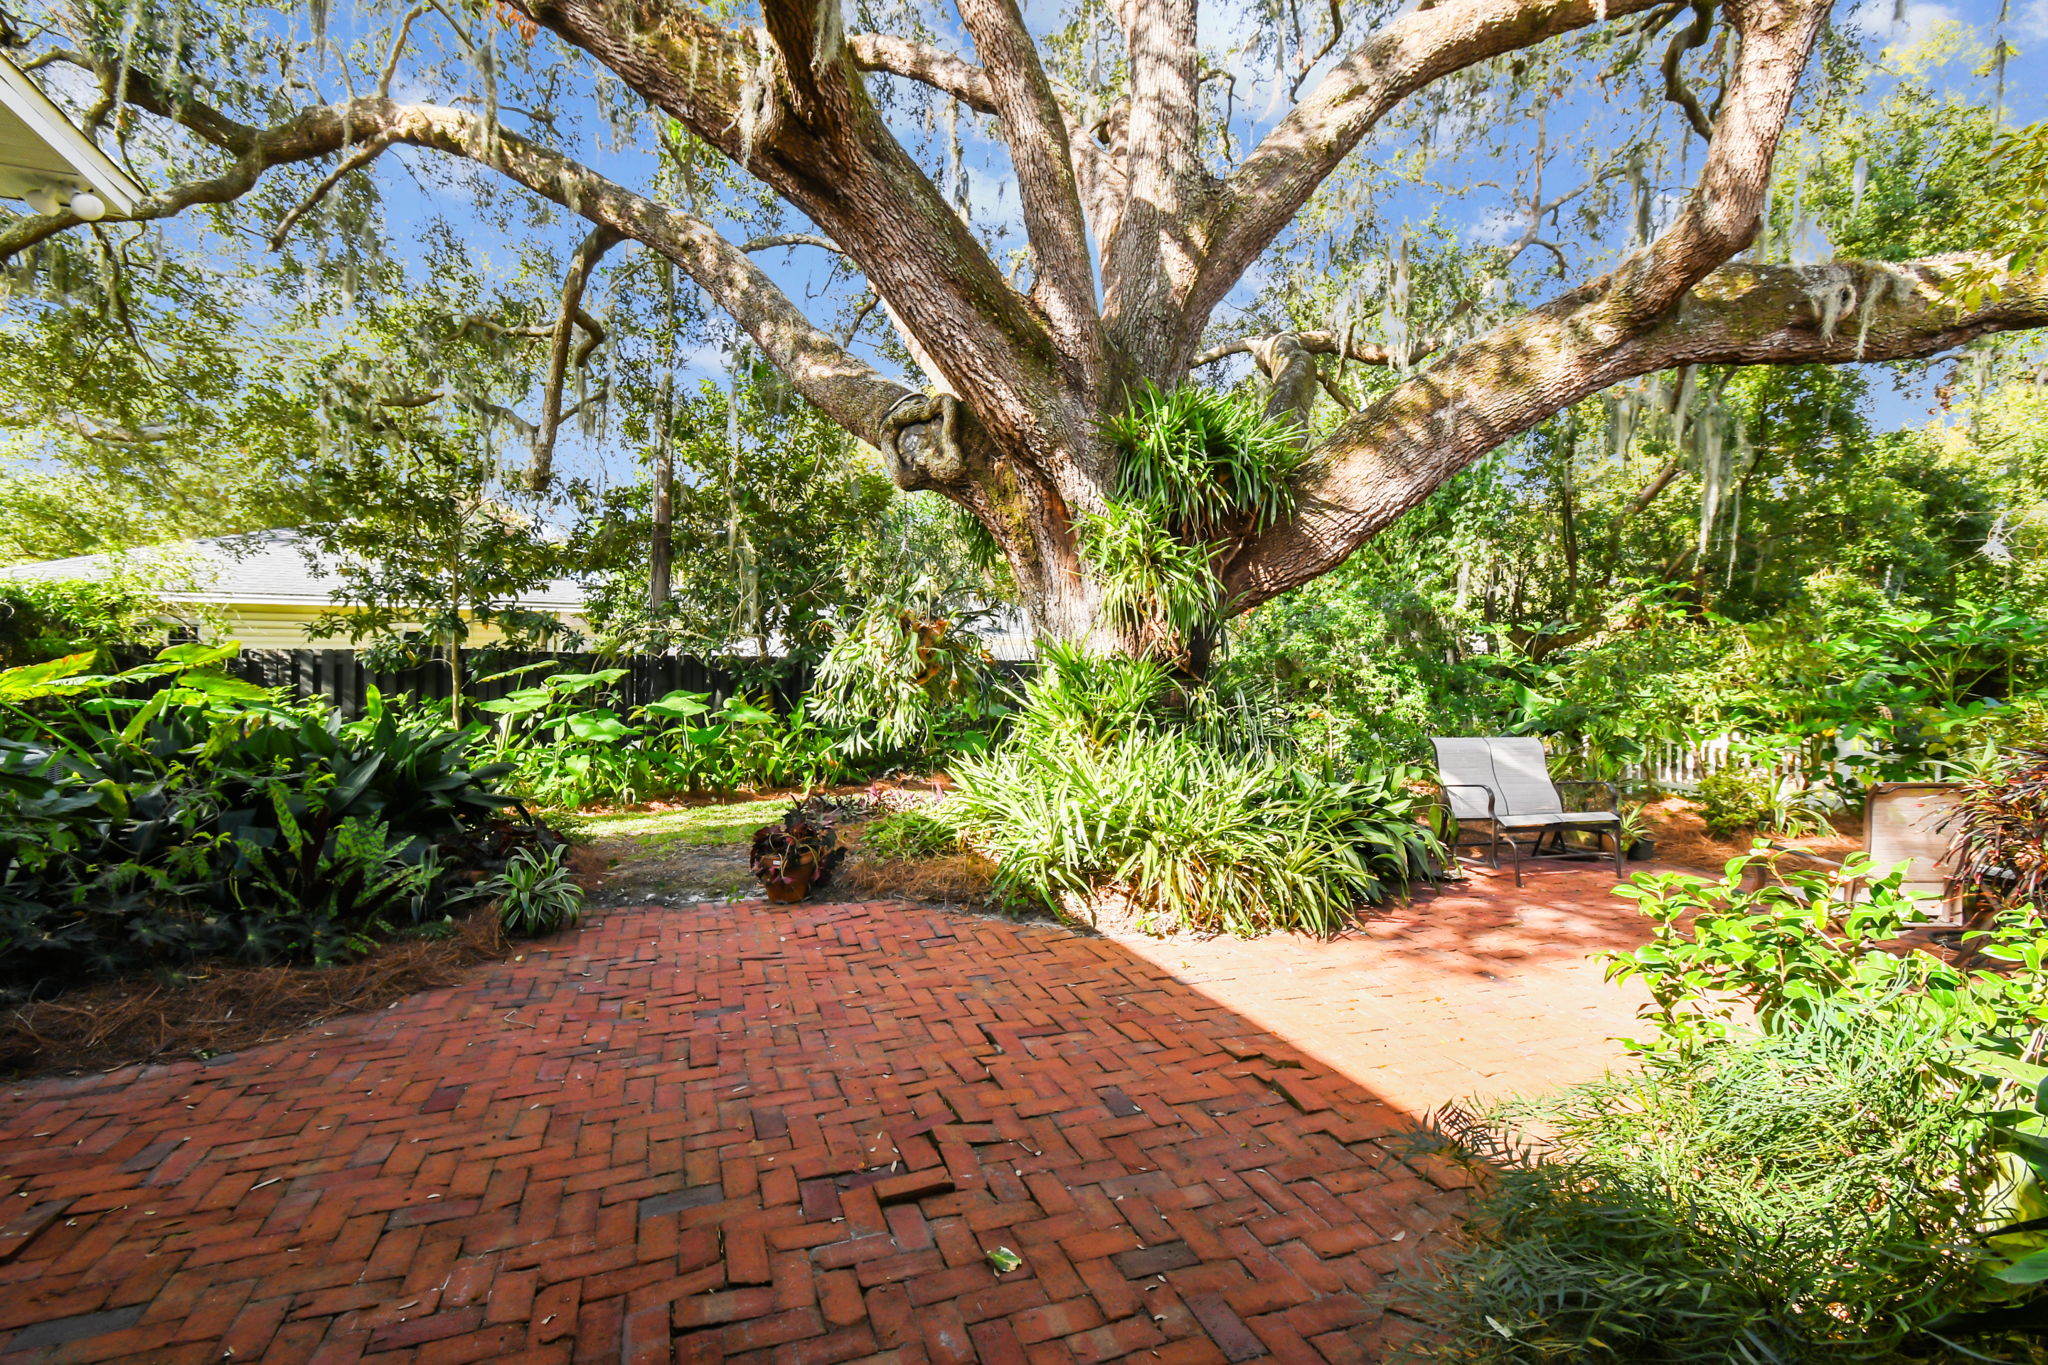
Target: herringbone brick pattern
727,1132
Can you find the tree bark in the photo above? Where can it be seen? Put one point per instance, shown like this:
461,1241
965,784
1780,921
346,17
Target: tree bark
661,540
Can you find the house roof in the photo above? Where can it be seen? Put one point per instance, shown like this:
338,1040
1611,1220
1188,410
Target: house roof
263,568
40,149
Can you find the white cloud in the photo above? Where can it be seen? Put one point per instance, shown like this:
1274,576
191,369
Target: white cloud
1881,19
1498,226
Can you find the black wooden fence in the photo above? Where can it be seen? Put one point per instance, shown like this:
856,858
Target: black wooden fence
341,676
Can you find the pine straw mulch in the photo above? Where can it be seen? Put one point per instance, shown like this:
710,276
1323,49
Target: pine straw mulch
219,1009
1683,839
957,878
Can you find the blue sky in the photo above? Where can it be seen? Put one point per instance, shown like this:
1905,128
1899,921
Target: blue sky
1930,39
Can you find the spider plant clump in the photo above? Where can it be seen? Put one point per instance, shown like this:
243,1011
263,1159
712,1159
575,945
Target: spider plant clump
1117,777
536,893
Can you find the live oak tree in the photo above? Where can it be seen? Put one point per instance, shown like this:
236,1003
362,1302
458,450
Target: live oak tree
1142,211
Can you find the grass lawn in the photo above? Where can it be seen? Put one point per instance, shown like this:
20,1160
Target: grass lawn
695,825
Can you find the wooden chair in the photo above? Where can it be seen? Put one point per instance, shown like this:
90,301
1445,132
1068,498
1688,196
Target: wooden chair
1501,787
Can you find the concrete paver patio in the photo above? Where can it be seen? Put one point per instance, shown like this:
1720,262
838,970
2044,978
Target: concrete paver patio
794,1134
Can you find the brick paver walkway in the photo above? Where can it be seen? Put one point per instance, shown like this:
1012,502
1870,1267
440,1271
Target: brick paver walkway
731,1132
1480,989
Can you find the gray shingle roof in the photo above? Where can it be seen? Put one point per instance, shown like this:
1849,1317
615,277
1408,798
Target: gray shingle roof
263,567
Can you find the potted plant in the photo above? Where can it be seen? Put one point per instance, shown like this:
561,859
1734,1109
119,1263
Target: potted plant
1636,843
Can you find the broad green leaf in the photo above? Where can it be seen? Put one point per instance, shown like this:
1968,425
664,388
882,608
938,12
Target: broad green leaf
678,705
51,678
194,655
577,682
2029,1269
221,687
598,725
1999,1067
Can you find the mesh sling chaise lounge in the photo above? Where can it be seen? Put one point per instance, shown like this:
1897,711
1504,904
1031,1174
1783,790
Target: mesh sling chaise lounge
1908,822
1501,787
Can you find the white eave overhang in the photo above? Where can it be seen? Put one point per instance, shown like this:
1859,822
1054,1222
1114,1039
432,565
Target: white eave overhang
41,150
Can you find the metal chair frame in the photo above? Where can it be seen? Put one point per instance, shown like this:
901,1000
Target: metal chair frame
1546,839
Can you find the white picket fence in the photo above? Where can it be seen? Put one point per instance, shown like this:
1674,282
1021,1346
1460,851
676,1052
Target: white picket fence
1679,767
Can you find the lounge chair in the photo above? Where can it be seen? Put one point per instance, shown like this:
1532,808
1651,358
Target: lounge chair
1907,822
1501,788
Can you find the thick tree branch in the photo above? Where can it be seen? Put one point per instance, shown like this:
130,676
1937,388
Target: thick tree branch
780,239
91,428
1151,256
811,134
846,389
1720,216
1315,343
1261,196
942,71
588,253
1035,131
1401,447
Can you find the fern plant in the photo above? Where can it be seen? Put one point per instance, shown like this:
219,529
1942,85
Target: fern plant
1197,468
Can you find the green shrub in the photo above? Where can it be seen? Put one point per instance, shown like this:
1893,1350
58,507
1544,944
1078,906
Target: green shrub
1092,699
1787,1198
54,618
1833,1151
210,819
1197,838
1735,799
1777,955
536,894
565,748
909,834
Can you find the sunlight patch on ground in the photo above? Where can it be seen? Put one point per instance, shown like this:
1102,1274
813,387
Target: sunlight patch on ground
723,824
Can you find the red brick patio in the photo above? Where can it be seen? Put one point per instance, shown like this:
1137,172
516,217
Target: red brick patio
793,1134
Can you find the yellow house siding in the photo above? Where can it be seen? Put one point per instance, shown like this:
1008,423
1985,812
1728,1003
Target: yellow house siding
283,626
